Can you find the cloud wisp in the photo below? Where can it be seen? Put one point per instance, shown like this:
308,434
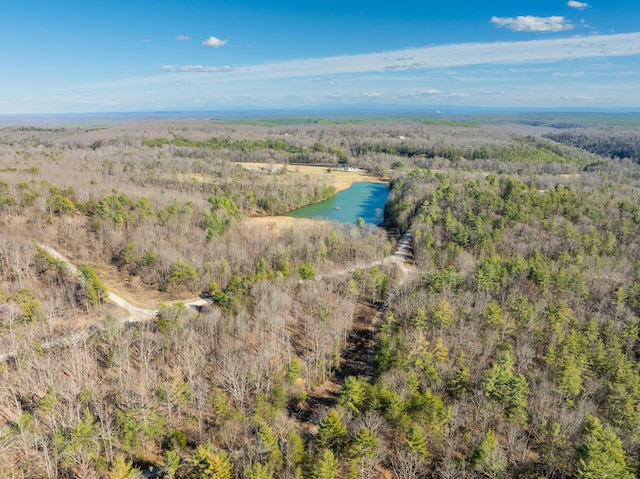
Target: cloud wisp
530,23
195,68
444,56
214,42
183,38
578,5
408,65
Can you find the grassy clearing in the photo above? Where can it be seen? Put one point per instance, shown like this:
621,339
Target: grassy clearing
340,180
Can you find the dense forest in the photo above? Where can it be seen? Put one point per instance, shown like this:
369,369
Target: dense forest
621,143
508,345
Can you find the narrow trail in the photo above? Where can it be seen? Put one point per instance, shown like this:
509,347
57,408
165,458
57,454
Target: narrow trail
357,357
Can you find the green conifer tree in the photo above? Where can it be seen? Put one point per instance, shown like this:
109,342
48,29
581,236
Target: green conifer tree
258,471
269,440
332,433
207,463
600,455
353,394
326,466
364,444
122,469
417,441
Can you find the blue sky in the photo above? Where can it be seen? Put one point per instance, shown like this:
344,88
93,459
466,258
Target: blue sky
61,56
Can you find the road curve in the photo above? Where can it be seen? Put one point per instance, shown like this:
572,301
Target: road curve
135,314
138,315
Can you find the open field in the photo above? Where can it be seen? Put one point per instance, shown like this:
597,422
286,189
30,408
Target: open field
338,178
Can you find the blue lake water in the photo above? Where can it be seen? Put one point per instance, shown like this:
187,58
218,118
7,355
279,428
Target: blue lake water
362,199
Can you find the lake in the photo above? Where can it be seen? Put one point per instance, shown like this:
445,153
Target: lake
362,199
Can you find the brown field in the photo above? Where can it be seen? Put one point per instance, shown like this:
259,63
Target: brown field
276,225
341,180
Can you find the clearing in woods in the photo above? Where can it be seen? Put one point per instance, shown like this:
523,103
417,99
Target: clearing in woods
339,179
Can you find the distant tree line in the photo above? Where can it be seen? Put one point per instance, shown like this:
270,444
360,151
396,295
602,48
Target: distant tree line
606,144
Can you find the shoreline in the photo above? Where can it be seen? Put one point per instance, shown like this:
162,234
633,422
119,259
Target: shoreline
340,180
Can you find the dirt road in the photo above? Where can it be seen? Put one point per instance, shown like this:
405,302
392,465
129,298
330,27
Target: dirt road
137,315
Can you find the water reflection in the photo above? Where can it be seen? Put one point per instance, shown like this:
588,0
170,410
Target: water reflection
362,199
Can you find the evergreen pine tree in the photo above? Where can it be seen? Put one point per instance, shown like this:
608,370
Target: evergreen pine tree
275,460
417,441
601,456
258,471
326,467
332,433
364,444
206,463
122,469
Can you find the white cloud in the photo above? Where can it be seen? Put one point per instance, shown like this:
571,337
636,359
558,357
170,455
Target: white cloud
183,38
195,68
568,74
434,93
533,24
214,42
584,24
428,58
578,5
411,66
429,91
580,98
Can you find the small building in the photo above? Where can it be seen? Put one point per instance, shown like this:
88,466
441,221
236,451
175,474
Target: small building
345,167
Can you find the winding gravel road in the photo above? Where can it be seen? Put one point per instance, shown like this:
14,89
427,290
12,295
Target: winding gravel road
138,315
